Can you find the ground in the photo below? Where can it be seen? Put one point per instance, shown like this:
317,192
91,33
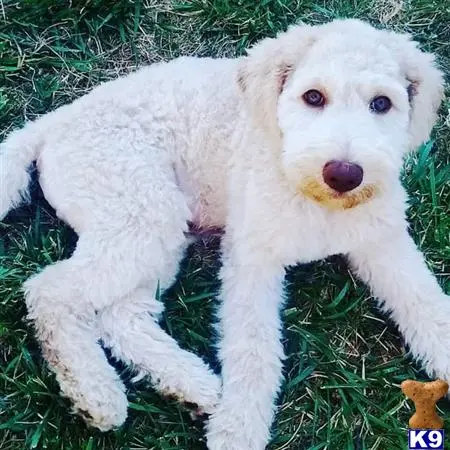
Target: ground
345,360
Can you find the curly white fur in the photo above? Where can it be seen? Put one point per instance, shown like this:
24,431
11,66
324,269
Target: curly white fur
227,142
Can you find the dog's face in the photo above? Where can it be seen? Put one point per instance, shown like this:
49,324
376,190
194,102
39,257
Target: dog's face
343,103
344,122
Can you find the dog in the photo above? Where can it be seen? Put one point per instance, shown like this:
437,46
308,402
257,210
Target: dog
295,150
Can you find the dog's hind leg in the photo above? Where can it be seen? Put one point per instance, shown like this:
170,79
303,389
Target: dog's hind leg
102,292
129,327
147,250
106,290
65,323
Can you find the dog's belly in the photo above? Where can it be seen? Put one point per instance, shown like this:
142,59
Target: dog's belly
206,200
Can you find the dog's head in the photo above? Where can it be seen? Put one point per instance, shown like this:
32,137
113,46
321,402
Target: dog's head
342,102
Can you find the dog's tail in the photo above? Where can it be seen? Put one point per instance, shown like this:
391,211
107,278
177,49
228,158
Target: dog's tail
17,153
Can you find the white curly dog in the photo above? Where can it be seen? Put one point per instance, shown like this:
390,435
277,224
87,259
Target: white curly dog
295,150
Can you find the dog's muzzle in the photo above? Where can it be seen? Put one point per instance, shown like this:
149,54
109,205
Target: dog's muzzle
340,187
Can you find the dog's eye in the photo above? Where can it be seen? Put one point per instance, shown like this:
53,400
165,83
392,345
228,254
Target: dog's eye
380,104
314,98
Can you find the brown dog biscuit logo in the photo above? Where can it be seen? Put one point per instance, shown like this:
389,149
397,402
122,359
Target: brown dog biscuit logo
425,396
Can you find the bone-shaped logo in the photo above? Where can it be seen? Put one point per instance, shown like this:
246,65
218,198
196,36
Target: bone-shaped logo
425,396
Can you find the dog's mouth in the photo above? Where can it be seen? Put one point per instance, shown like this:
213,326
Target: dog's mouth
331,199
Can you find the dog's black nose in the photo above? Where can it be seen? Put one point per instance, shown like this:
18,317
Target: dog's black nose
342,176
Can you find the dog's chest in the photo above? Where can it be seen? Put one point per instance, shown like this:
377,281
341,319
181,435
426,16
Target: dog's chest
314,242
311,233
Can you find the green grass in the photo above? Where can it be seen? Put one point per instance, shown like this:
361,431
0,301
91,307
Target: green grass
345,361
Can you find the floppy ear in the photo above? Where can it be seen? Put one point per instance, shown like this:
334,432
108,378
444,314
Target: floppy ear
263,73
425,88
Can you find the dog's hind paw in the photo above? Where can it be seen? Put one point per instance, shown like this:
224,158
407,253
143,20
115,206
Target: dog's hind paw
204,394
105,412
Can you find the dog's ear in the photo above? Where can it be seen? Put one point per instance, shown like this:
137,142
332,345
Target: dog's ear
263,74
425,88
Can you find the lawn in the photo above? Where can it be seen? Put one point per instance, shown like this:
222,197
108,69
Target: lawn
345,360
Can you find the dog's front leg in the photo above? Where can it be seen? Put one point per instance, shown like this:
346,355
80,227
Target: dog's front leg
250,351
398,276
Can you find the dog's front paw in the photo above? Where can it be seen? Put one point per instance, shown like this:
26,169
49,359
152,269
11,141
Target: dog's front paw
236,428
